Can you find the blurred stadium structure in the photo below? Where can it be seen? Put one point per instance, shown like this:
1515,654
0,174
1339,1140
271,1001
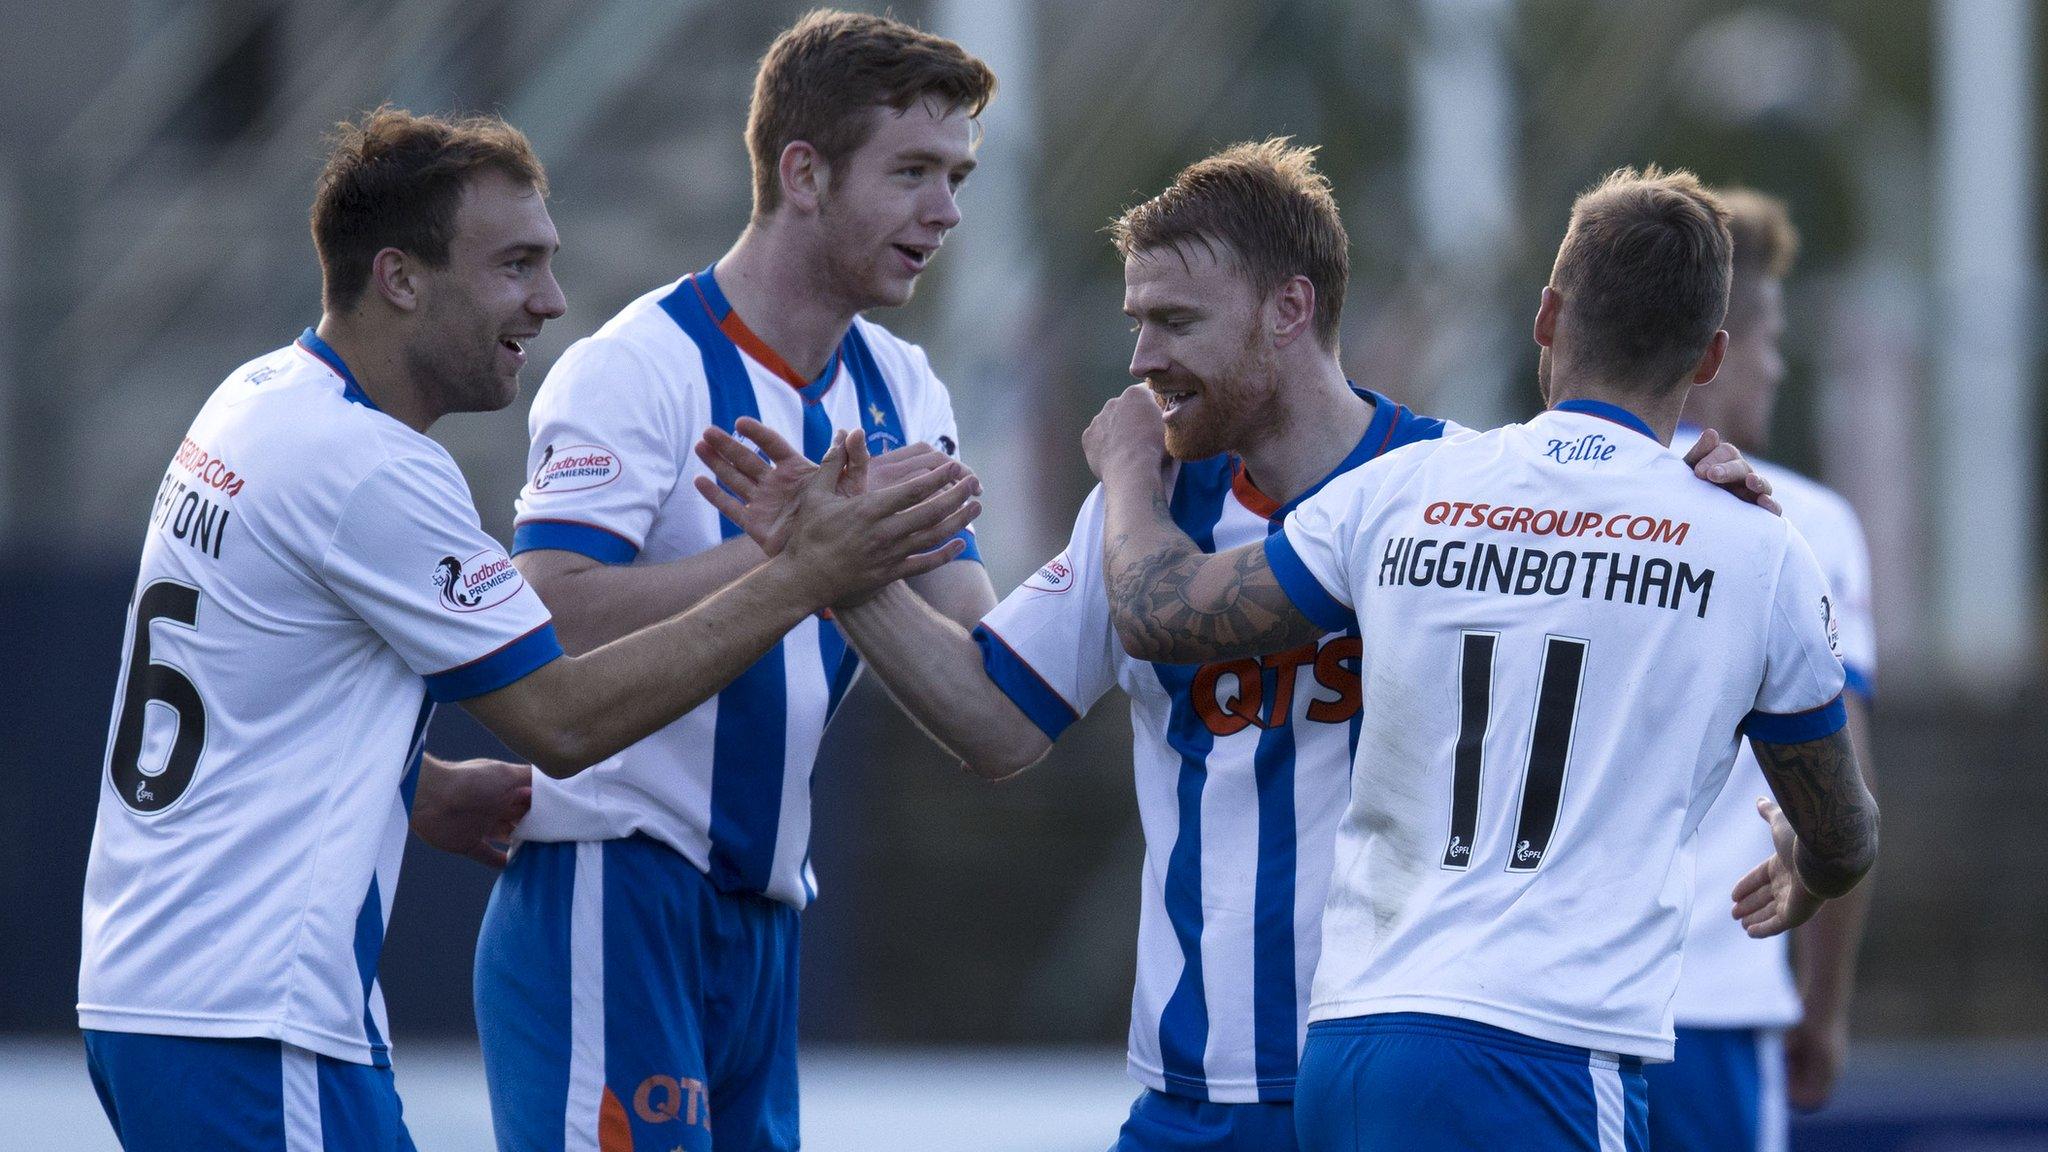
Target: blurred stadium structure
157,162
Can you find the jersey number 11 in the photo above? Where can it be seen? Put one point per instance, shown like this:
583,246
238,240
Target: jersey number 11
1550,748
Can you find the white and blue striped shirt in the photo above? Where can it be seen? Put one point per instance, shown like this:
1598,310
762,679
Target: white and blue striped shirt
610,477
1242,769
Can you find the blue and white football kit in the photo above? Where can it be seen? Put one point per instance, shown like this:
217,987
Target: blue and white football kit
1241,770
1565,632
313,579
1724,1090
636,972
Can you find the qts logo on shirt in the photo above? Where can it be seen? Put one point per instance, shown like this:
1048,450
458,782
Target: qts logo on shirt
485,580
1233,695
576,467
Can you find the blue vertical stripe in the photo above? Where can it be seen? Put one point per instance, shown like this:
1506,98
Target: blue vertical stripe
751,733
369,934
523,995
1273,999
1197,504
877,417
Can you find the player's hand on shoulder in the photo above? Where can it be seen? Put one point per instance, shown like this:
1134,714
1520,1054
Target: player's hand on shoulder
1722,464
852,536
757,489
1772,898
470,807
1127,439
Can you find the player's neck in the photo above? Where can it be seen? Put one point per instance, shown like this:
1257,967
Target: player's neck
1700,412
773,290
1315,422
380,369
1659,411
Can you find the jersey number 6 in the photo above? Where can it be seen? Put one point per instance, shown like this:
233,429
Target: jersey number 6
152,682
1550,748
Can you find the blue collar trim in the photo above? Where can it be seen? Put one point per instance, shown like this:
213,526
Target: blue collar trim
350,390
714,296
1378,434
1611,412
720,308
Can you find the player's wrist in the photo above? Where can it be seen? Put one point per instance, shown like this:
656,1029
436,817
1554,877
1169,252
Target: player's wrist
788,577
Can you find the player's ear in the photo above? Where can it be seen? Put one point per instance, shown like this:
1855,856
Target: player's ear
1546,316
804,175
1710,361
1294,310
395,277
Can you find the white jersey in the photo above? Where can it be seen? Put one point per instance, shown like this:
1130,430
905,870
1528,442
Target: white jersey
308,561
1564,633
610,477
1241,770
1730,980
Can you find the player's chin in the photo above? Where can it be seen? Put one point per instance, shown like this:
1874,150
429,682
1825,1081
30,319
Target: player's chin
892,290
1194,442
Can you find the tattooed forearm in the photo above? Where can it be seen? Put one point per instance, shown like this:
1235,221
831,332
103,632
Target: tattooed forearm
1173,603
1824,799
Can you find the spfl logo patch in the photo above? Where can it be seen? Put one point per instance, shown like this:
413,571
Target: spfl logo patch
485,580
1834,626
575,468
1056,576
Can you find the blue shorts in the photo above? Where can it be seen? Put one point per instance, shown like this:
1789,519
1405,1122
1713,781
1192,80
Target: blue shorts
1414,1082
1164,1122
240,1094
624,1002
1724,1091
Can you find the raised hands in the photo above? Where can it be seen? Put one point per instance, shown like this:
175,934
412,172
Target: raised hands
758,490
854,524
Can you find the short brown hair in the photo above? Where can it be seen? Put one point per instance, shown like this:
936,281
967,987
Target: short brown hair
1268,209
395,180
1766,243
1644,271
821,77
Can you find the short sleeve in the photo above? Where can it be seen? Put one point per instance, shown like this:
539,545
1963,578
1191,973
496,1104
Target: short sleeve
603,457
929,419
1801,695
1311,555
1049,645
411,559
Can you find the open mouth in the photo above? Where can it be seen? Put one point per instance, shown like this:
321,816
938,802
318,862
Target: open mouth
1170,401
917,257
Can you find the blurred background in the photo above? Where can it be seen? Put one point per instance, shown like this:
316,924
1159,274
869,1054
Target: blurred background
967,969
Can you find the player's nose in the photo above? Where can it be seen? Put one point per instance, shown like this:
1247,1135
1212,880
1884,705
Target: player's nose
548,301
1147,360
942,210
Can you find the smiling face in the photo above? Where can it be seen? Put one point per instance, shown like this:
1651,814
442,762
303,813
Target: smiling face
496,291
1201,347
889,205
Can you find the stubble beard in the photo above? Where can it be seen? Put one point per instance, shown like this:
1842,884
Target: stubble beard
1230,403
459,380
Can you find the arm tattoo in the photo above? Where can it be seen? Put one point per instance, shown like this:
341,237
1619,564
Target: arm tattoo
1173,603
1824,799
